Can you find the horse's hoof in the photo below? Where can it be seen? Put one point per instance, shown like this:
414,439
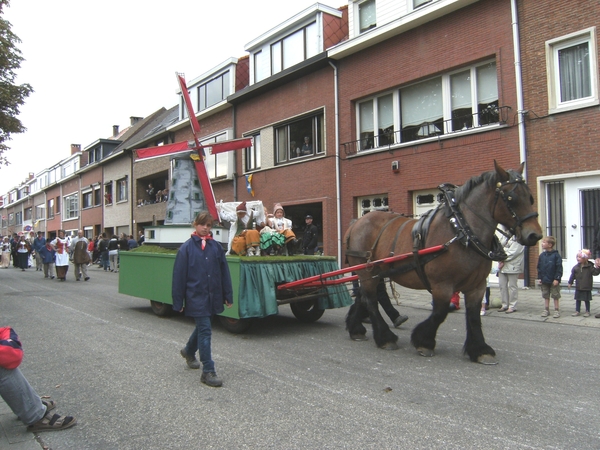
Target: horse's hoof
425,352
487,359
358,337
390,346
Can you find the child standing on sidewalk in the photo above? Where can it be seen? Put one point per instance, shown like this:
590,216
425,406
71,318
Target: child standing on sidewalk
550,272
582,274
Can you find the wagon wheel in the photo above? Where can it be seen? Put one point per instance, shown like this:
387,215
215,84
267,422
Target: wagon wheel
307,311
236,326
160,309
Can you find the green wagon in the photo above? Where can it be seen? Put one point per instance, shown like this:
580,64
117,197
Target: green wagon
255,280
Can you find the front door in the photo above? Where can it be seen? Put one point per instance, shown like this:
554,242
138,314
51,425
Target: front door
573,208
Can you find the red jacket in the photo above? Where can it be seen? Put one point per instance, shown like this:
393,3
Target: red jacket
11,351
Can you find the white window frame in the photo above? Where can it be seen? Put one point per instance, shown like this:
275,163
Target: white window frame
219,166
316,135
378,202
252,155
71,206
357,8
87,193
552,48
224,78
397,111
122,190
40,212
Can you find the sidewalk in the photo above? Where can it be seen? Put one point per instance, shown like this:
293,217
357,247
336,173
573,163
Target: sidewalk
13,435
529,305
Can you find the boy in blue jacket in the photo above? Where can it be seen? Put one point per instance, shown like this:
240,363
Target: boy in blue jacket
201,286
549,275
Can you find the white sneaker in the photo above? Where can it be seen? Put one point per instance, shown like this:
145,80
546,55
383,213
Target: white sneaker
250,251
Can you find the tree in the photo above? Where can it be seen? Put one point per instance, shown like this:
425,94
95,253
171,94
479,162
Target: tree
12,96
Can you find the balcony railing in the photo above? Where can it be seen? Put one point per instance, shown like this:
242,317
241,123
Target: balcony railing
387,138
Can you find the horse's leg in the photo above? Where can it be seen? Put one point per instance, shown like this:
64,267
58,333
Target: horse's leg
384,337
423,336
475,345
354,319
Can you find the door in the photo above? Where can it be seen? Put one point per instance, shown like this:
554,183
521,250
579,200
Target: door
580,211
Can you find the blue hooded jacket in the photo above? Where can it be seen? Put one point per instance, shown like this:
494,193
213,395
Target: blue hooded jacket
201,278
550,266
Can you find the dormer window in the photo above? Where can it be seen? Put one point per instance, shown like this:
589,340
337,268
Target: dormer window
367,18
213,91
296,47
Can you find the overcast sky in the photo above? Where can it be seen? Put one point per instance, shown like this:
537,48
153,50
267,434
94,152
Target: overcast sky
93,65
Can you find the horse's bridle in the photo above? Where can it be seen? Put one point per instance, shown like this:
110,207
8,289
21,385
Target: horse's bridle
508,199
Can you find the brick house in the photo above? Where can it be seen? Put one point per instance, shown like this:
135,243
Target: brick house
560,86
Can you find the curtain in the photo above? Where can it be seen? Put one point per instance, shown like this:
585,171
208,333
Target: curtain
422,102
460,87
574,72
487,84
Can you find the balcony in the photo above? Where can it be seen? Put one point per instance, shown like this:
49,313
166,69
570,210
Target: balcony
459,123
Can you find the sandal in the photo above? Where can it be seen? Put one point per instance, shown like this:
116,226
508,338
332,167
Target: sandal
504,308
49,404
51,422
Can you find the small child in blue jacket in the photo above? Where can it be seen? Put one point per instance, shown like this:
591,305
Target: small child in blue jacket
550,272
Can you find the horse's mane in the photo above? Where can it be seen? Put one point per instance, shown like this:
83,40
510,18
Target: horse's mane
488,178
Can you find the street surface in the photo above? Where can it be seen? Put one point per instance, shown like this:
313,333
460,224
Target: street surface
109,361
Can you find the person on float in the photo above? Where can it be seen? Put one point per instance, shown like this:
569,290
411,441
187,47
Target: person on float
244,232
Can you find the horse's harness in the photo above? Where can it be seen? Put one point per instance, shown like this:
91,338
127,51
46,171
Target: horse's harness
463,232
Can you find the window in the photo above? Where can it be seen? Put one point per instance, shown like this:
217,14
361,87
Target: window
122,190
572,71
57,205
50,208
452,102
40,212
417,3
383,106
71,207
372,203
214,91
19,218
28,213
261,66
366,16
108,194
217,165
87,199
287,52
97,197
252,154
300,138
555,210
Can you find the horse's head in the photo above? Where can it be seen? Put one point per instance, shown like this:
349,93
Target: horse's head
513,206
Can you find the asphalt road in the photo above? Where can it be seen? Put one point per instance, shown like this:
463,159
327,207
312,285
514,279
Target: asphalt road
108,360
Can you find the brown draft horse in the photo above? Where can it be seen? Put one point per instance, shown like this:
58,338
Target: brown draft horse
464,226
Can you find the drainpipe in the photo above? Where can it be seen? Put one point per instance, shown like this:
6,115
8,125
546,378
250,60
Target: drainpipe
519,81
235,196
338,205
520,110
133,229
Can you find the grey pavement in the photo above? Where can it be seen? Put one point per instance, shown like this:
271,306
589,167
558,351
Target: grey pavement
14,436
529,305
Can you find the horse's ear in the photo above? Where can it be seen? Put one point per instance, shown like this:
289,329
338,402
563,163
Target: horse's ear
501,172
521,167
